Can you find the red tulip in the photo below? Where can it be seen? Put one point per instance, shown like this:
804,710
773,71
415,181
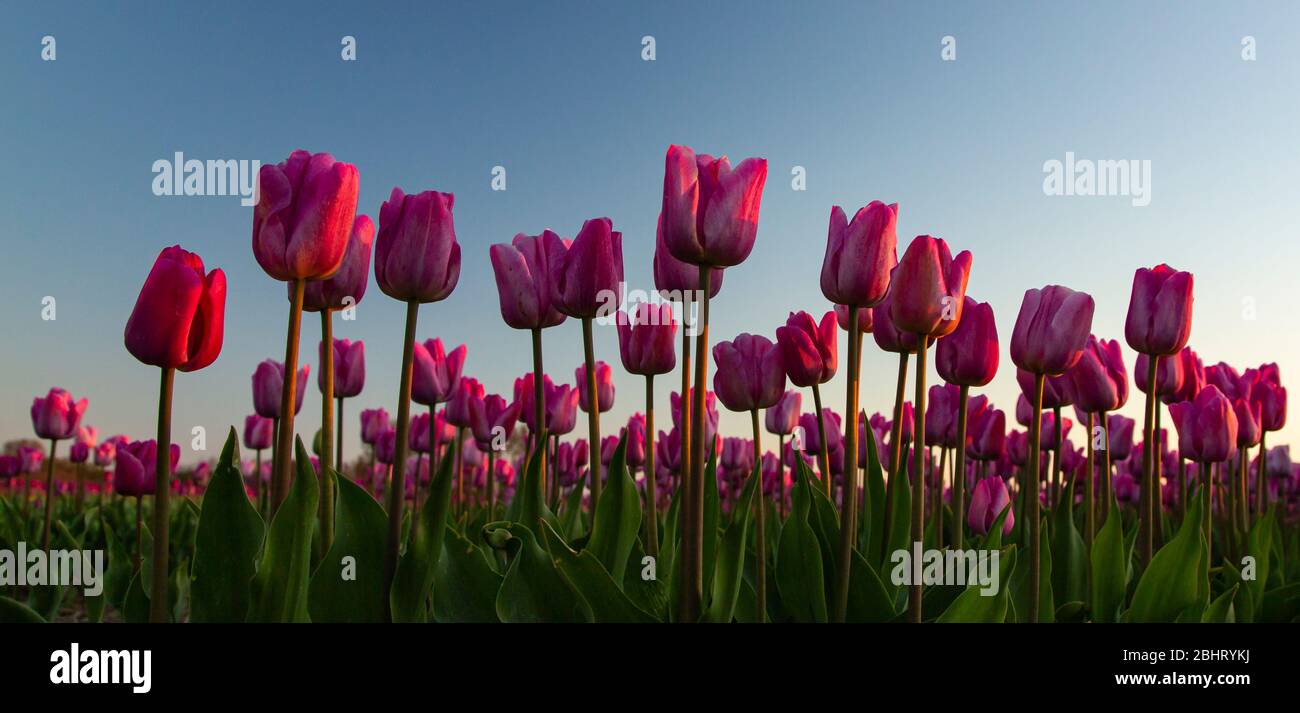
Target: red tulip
461,404
57,416
860,255
417,258
524,280
929,288
710,212
1051,330
750,374
969,356
346,286
808,349
1160,311
180,313
304,215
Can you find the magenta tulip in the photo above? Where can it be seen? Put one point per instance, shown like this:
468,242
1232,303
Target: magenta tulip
349,368
1159,318
57,416
969,355
646,339
782,417
524,280
461,404
1051,330
860,255
561,409
1099,381
259,432
604,386
435,373
347,285
929,288
749,373
808,349
373,423
491,417
585,275
675,279
303,216
1169,376
710,212
1207,427
987,502
417,258
268,381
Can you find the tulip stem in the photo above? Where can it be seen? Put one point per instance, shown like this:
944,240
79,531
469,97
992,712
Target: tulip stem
780,474
288,400
81,487
959,475
652,494
823,454
1147,511
896,451
1090,513
1261,477
593,412
159,578
139,531
918,473
1032,500
326,474
693,559
460,469
849,506
491,486
760,556
49,493
338,437
1157,462
1058,439
684,455
1243,502
539,408
397,485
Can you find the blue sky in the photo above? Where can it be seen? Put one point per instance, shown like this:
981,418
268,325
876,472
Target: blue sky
558,94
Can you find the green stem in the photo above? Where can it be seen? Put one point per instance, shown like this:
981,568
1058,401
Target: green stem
823,454
652,493
49,494
1147,511
397,483
849,505
1032,499
959,476
159,577
760,557
918,473
896,451
326,474
593,411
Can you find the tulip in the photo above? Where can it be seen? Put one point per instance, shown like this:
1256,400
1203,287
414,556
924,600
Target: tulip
349,364
891,339
808,354
1268,394
860,255
1207,433
436,373
782,417
1050,334
636,443
987,502
386,446
469,393
561,409
604,385
259,434
1099,385
177,323
55,418
1159,318
709,219
645,344
988,435
268,381
490,419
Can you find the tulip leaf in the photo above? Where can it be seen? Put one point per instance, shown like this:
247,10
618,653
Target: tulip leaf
799,574
1109,568
973,605
1259,544
874,512
465,585
229,535
279,591
413,581
533,591
1176,578
571,524
348,584
667,563
712,516
644,585
1070,573
1020,583
730,565
589,578
15,612
869,600
1221,610
529,504
617,517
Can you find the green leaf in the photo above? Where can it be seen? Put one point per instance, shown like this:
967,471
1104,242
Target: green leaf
225,546
648,594
348,584
589,578
869,600
973,606
712,518
1070,573
875,511
900,521
1220,610
465,584
533,590
730,564
1175,579
413,581
529,504
617,518
799,574
1109,568
571,524
1020,583
1259,544
15,612
279,590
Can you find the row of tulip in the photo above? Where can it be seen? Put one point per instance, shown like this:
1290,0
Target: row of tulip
844,513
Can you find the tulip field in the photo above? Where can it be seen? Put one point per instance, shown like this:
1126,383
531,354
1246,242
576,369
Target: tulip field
466,506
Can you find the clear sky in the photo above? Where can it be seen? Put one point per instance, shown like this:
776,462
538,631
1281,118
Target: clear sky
558,93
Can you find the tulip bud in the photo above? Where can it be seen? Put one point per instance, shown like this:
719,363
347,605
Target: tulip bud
179,316
417,257
929,288
969,356
710,212
808,349
860,255
782,417
304,215
1159,318
749,373
646,339
347,285
435,373
1051,330
524,280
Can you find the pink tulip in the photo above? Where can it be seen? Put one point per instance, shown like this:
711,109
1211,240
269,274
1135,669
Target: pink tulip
1160,311
417,258
179,317
561,409
585,275
386,446
87,436
808,349
604,386
259,432
461,403
1169,376
929,288
782,417
710,212
349,368
860,255
988,435
749,373
304,215
636,441
1119,436
373,424
1058,392
865,319
418,439
988,500
268,383
969,356
1207,427
646,339
1248,422
347,286
674,278
489,414
57,416
887,334
1271,399
710,412
1051,330
524,280
435,374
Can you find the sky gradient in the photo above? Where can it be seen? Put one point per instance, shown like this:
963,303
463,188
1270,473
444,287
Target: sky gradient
558,94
